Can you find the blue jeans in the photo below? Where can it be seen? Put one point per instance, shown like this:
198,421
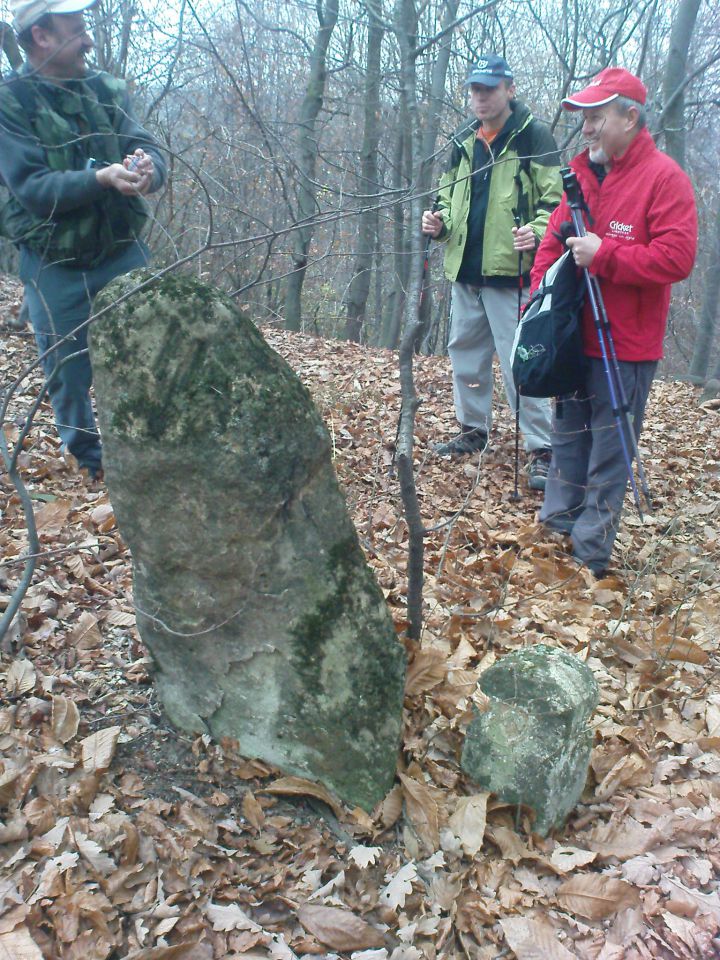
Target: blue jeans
59,299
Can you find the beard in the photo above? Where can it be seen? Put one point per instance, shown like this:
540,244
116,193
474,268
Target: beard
598,155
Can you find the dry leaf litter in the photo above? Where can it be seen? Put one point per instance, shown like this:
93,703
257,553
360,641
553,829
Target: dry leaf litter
122,840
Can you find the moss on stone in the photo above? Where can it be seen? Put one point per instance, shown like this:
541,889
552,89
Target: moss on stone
533,743
372,665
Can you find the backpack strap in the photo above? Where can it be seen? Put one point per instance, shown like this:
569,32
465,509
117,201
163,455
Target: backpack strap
523,143
524,147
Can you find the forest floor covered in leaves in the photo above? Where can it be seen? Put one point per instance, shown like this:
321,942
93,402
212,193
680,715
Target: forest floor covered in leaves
122,839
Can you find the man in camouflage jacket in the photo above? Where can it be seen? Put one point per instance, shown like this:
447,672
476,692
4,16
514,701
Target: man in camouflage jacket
509,169
76,165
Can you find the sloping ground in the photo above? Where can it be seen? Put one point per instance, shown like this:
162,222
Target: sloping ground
121,839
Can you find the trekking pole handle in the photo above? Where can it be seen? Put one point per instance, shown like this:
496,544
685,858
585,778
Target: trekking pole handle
428,239
572,188
575,199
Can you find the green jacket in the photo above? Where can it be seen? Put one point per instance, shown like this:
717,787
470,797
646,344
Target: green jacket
535,183
51,139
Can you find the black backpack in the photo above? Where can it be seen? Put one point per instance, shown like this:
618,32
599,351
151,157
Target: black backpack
547,356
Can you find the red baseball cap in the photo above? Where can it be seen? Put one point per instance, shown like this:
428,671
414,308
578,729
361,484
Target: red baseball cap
608,85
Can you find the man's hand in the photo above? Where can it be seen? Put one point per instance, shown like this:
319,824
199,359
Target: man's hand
131,177
432,223
141,163
524,239
584,248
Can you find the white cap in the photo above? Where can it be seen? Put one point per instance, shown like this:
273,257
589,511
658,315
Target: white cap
27,12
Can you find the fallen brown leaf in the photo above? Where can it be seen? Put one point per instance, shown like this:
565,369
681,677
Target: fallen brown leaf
98,749
534,939
51,517
339,929
566,859
20,678
252,811
428,668
422,811
299,787
595,897
468,822
65,718
19,945
86,633
229,917
179,951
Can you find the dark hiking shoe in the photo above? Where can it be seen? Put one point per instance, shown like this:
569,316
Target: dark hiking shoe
598,571
93,472
470,440
537,468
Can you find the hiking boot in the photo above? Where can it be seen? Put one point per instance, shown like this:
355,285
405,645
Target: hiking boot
92,471
469,440
537,468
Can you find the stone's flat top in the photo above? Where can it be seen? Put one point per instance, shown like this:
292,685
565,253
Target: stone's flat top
542,677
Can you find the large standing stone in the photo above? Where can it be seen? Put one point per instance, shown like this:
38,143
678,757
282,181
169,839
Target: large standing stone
533,744
252,593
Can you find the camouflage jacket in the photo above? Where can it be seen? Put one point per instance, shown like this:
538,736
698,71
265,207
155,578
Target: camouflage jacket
49,134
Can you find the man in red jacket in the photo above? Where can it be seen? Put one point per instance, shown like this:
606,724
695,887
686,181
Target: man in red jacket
642,238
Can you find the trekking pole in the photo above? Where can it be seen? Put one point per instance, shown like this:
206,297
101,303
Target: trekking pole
515,496
618,397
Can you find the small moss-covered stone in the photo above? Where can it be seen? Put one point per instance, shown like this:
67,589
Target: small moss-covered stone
533,744
252,593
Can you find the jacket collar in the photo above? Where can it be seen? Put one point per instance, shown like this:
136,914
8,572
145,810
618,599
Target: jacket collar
519,117
638,151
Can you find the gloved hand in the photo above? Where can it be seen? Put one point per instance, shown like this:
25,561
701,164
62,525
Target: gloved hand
566,229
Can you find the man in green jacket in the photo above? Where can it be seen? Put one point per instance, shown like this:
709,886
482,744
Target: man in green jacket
494,205
76,165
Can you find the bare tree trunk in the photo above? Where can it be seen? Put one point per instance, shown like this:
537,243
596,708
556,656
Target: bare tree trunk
673,126
401,252
406,28
359,289
705,334
307,161
673,118
10,46
422,141
112,25
379,299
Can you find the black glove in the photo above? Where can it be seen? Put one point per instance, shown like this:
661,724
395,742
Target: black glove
566,229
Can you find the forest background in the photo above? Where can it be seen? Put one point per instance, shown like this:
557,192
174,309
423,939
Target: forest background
305,138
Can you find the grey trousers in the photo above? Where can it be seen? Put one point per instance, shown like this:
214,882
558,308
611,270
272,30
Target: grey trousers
483,322
588,476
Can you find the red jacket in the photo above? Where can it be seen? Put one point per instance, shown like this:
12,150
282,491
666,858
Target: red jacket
644,211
